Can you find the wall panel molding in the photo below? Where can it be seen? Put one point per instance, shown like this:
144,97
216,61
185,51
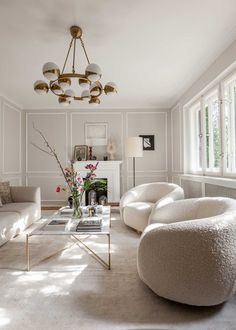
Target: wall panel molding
121,114
18,139
28,171
157,113
58,181
117,126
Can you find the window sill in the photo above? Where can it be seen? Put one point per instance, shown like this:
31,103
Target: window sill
219,181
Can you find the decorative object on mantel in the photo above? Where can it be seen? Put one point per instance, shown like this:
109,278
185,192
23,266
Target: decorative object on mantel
134,148
148,142
111,149
75,184
61,81
80,152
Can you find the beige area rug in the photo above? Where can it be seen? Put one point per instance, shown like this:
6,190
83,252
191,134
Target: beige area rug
73,291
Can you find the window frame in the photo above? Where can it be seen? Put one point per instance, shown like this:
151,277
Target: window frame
214,90
232,172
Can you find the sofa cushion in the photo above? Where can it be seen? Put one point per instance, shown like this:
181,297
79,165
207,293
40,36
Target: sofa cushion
136,214
10,225
5,192
29,211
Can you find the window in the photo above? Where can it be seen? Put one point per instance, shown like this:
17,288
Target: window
210,131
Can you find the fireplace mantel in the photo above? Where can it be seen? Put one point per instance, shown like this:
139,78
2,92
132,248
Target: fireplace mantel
109,170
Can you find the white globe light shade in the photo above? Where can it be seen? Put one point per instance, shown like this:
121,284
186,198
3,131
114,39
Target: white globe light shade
85,94
69,93
51,71
95,89
94,101
63,101
41,87
84,83
110,88
64,83
56,89
93,72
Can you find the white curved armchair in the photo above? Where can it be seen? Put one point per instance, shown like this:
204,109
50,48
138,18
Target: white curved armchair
188,252
136,204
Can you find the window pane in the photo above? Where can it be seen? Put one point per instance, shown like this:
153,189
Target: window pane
216,133
199,139
234,116
195,140
207,137
212,132
230,124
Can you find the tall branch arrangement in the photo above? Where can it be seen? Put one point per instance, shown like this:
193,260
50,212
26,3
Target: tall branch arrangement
75,183
51,152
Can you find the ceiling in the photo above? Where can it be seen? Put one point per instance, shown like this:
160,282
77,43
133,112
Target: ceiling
153,49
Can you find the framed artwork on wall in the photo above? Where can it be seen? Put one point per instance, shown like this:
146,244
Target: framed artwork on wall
96,134
148,142
80,152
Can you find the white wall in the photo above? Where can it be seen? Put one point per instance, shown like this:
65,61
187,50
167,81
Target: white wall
65,128
223,65
10,142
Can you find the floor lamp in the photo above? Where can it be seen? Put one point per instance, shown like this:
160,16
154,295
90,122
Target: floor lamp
134,148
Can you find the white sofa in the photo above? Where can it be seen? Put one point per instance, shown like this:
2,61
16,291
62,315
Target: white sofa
16,216
188,252
136,204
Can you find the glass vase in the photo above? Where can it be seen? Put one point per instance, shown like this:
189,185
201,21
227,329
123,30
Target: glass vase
77,213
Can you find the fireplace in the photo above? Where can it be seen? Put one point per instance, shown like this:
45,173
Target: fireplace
109,170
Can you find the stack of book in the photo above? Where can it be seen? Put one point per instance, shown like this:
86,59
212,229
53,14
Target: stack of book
90,224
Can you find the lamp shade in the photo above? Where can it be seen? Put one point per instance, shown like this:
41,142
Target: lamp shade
134,147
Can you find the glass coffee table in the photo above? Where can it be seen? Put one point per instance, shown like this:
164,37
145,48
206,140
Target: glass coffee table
64,224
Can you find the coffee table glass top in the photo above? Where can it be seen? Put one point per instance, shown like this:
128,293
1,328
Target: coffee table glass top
68,224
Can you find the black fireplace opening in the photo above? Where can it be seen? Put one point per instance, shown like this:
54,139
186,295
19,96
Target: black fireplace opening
99,186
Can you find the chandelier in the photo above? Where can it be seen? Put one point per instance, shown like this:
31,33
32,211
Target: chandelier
61,82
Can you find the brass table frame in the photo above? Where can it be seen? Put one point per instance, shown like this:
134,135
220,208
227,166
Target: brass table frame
79,242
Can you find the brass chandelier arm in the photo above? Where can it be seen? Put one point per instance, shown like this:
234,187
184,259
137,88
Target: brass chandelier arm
83,46
67,55
73,65
50,86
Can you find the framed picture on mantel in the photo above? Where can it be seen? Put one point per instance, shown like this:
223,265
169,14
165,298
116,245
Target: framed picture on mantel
80,152
148,142
96,134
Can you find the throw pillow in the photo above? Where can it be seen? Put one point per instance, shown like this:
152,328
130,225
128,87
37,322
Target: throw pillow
5,192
